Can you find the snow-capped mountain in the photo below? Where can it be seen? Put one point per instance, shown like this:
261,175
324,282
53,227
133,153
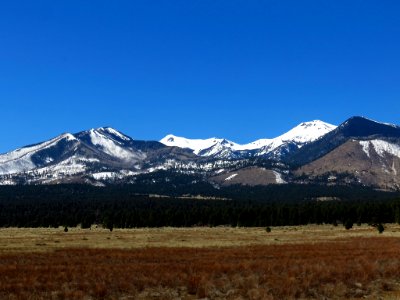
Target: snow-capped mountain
274,148
85,153
103,143
294,139
303,133
358,128
359,151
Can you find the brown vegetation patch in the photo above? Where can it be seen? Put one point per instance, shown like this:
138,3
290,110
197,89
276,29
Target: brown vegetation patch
344,268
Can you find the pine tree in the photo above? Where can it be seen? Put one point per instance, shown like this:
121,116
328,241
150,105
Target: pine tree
397,215
380,228
348,224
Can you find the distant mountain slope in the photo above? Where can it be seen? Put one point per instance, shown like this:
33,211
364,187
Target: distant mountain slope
371,163
30,157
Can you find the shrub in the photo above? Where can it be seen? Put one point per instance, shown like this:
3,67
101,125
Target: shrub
348,224
268,229
380,228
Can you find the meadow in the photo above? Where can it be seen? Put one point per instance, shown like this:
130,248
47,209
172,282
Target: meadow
303,262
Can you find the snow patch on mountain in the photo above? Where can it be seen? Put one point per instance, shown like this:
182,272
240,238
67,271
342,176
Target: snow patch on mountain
278,177
110,146
230,177
104,175
365,146
68,167
381,147
16,166
113,175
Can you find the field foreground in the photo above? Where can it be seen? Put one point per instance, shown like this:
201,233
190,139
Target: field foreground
308,262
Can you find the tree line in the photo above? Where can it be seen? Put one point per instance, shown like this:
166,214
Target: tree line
128,206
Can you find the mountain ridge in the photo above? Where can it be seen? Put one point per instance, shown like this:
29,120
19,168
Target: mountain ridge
299,135
311,152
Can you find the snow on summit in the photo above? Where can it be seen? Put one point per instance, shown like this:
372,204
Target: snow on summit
303,133
307,132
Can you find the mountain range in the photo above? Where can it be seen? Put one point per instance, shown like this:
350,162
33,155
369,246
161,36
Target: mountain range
359,151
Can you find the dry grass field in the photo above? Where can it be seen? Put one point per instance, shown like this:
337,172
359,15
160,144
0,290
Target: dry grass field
305,262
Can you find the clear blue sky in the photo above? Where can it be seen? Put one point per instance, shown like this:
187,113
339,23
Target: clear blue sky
242,70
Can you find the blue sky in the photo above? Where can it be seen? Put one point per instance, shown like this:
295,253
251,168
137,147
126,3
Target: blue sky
242,70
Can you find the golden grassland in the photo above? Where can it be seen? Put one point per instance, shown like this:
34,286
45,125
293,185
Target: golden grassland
44,239
304,262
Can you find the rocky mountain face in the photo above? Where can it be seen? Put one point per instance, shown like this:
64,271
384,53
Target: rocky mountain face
359,151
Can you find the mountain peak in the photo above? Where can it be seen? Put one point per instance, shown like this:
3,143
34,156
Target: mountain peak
307,131
365,120
170,138
357,119
314,123
358,126
110,132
